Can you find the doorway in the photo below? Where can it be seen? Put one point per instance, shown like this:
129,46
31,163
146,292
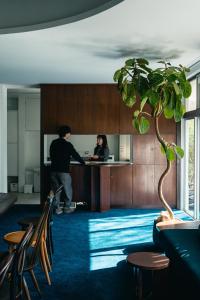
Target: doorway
23,144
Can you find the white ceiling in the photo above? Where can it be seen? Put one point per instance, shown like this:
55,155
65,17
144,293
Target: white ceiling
91,50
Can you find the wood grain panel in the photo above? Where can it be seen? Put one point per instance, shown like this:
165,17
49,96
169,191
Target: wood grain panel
104,188
169,185
106,109
67,106
121,186
143,149
49,113
143,186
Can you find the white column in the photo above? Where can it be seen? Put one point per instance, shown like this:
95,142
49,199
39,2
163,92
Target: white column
3,139
21,144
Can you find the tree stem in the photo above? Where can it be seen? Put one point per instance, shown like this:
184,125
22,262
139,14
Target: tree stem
160,183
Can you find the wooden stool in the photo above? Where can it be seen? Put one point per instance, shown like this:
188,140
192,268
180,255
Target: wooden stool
151,261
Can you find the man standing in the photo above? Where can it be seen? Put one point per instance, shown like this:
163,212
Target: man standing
61,152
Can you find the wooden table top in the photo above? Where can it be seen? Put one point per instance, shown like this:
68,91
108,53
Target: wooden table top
148,260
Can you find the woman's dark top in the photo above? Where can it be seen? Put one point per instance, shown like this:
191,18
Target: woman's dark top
103,153
61,152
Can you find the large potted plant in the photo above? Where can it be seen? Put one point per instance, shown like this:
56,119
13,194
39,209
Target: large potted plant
160,92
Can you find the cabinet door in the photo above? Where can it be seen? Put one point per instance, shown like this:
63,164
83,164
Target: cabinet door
67,106
121,186
106,109
48,109
81,183
143,149
143,186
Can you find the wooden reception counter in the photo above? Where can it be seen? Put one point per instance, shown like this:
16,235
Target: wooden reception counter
101,185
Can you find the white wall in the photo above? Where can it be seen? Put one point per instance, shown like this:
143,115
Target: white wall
85,144
12,142
29,137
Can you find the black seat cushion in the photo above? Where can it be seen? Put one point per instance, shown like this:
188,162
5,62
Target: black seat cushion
182,246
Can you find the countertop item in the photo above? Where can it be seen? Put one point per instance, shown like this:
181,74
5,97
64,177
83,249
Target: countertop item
93,163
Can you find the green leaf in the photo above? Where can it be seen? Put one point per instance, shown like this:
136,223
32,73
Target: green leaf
178,112
162,149
170,154
168,112
129,62
143,125
153,98
187,89
130,101
136,124
142,61
143,102
136,113
155,78
176,88
117,75
179,151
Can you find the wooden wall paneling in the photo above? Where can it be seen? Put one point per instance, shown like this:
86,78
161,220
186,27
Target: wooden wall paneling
67,106
169,185
106,109
48,109
104,188
121,186
143,186
143,149
125,119
95,188
85,109
167,125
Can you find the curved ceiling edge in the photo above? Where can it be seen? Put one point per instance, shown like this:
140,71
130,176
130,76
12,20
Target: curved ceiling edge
61,21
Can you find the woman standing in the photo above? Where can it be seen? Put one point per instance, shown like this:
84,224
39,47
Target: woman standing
101,151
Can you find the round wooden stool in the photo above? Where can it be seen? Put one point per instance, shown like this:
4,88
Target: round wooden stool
151,261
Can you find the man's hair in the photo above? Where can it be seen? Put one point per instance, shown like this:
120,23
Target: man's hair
63,130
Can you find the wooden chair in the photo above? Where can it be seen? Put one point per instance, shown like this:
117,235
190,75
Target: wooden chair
34,220
37,246
12,281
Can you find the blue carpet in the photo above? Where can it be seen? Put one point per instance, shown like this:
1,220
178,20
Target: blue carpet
90,251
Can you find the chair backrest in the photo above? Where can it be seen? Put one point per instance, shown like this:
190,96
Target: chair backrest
5,267
13,264
40,232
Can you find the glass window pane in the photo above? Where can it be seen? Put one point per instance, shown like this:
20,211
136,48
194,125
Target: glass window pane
190,166
191,103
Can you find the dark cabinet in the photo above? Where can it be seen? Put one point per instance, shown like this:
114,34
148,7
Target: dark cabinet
87,108
121,186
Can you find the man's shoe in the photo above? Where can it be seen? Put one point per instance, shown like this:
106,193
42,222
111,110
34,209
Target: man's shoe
68,210
59,211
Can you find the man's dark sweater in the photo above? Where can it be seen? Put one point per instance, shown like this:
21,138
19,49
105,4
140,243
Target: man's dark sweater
61,152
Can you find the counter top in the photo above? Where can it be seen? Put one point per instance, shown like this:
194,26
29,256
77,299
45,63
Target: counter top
96,163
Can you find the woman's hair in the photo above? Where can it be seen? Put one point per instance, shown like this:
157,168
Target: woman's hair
104,138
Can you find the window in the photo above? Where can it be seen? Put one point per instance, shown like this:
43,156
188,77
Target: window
190,165
191,103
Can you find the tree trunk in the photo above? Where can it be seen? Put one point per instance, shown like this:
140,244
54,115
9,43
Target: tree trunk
160,183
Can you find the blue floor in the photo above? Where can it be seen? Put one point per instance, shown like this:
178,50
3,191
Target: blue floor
90,251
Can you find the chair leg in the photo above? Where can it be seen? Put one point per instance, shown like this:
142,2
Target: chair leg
44,265
35,281
25,288
47,257
50,245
